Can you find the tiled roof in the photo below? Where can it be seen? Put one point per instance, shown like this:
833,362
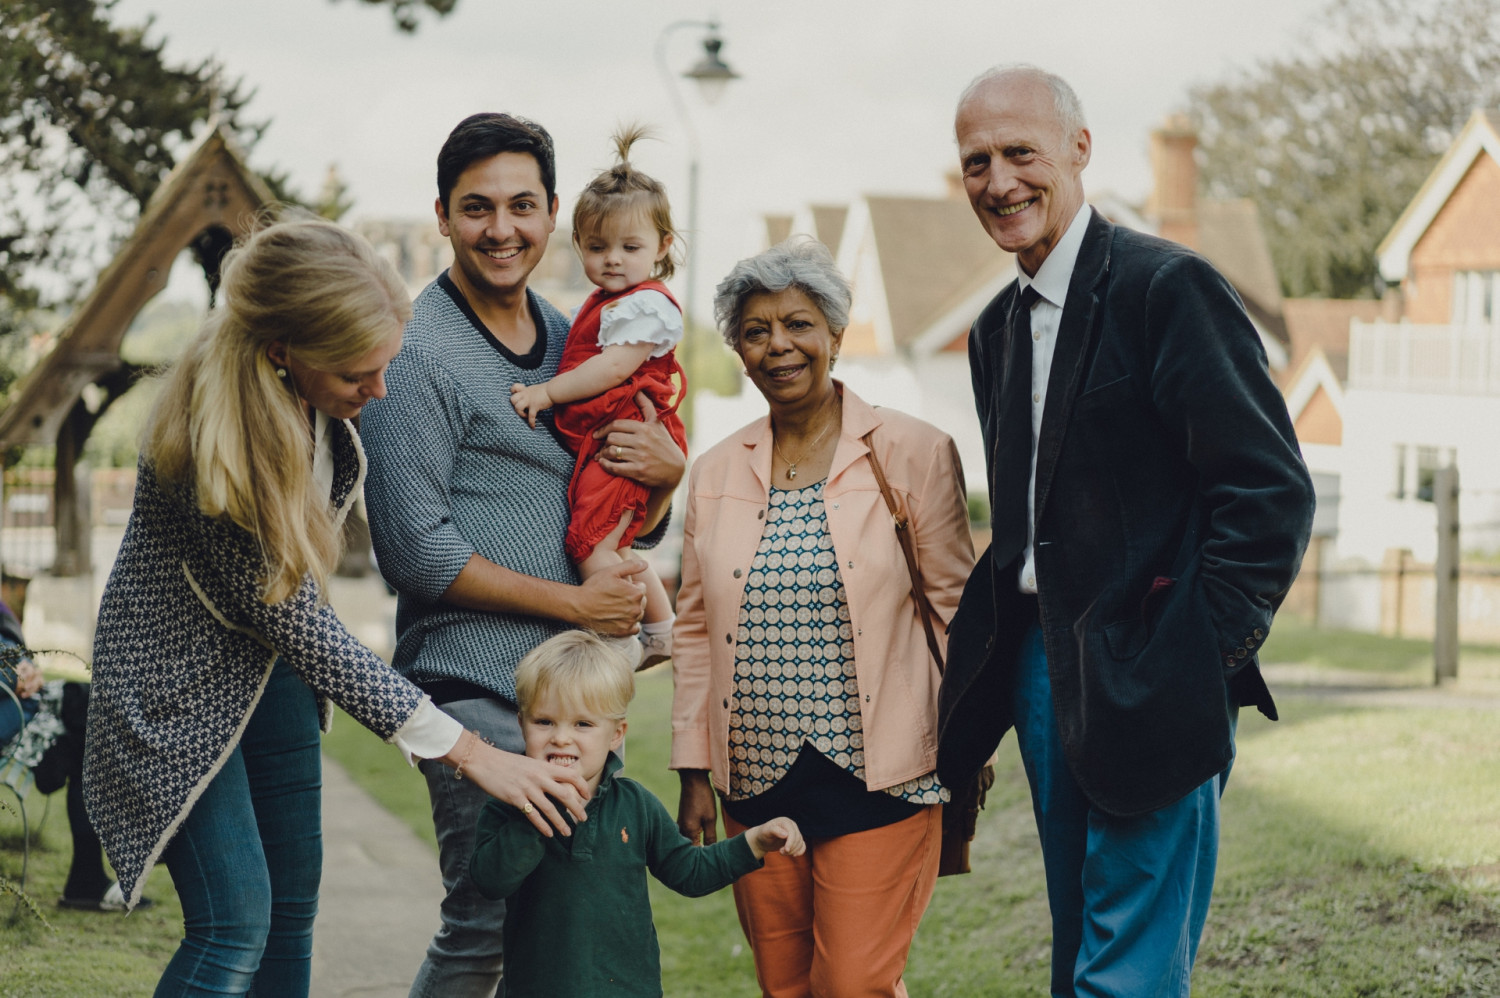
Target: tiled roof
1324,323
778,227
932,254
828,223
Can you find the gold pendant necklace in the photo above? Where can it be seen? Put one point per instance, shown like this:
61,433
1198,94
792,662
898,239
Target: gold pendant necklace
791,466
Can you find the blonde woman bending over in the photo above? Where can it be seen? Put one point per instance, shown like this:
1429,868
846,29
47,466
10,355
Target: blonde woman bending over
217,655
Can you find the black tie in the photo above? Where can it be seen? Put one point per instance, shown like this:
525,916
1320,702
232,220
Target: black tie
1010,465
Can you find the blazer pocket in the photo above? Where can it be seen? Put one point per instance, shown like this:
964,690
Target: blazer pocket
1106,395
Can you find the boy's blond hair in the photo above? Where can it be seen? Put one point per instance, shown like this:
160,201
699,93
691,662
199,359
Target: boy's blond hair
581,670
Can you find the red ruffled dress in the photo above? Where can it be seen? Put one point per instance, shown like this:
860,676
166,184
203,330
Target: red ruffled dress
596,497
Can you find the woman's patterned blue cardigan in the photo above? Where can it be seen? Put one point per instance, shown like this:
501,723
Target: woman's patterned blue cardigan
182,652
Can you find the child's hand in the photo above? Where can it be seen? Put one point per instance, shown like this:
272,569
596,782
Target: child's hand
778,834
530,400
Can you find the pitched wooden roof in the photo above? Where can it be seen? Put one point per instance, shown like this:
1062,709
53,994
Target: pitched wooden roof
1479,136
211,187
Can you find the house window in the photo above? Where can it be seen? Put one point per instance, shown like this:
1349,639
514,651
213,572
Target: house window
1416,469
1476,298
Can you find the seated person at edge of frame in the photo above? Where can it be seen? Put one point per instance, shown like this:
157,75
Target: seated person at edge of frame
583,897
47,736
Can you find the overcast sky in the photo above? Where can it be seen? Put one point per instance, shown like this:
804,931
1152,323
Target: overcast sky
837,97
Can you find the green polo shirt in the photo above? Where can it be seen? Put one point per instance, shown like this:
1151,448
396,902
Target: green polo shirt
578,920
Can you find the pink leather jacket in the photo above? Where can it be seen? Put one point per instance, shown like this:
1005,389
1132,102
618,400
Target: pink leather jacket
728,495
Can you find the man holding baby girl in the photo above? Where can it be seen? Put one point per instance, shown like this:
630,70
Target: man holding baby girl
469,505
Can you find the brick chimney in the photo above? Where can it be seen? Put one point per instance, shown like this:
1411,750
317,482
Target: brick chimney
1173,203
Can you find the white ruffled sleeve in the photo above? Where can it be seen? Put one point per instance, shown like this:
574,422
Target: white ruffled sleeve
427,734
644,317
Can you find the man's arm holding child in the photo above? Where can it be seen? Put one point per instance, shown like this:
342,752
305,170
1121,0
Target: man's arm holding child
643,450
611,366
411,437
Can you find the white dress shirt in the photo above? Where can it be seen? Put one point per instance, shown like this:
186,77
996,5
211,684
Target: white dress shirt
1051,282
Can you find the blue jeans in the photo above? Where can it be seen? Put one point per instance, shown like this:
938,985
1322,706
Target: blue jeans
1129,896
247,861
464,959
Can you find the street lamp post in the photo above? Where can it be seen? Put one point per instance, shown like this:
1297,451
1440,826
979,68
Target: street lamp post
712,76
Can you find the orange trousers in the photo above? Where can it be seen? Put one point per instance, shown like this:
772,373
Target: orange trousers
838,921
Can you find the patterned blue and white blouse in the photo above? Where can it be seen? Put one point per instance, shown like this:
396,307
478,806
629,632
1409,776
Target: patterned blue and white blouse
794,663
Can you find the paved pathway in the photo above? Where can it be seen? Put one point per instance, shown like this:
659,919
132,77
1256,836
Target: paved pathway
379,900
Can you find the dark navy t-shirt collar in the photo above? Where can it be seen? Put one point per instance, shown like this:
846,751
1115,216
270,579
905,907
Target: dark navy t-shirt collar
530,360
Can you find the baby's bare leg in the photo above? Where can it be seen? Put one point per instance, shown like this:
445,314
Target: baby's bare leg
658,605
606,553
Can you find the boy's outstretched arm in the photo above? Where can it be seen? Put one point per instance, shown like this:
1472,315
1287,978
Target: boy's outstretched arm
777,835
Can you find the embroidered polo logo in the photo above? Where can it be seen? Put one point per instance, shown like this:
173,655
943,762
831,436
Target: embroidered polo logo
624,835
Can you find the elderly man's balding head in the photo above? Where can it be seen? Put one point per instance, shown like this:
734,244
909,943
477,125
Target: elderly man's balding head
1022,144
1065,102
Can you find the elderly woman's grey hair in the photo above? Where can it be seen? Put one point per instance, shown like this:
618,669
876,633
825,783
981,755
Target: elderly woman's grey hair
1069,108
800,262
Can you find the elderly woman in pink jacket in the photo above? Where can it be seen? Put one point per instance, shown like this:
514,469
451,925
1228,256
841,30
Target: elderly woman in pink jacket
804,684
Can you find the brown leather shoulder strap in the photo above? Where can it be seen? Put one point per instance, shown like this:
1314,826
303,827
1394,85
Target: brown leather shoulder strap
904,536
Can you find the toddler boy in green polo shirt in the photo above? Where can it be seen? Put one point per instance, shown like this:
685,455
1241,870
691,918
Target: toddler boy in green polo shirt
578,921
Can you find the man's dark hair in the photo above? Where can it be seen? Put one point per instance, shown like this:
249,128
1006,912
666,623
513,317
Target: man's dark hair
480,136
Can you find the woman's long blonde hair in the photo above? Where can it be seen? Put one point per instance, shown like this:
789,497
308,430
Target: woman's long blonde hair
227,427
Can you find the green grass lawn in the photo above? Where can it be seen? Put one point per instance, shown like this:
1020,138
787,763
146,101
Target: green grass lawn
1297,641
1361,856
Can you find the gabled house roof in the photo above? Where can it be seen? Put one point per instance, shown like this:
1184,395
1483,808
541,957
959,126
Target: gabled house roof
932,252
212,187
1479,136
1315,399
778,227
1322,324
923,267
1230,236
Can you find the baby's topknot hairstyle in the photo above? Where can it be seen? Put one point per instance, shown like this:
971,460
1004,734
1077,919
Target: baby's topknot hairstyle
623,189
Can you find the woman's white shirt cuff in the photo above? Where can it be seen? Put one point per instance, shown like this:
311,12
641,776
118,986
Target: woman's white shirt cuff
427,734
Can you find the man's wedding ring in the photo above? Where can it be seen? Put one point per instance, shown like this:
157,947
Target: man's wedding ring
617,451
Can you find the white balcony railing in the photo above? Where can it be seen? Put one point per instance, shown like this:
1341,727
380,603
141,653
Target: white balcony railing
1401,356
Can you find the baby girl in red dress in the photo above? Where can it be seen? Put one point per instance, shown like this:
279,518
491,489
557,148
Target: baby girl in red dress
621,344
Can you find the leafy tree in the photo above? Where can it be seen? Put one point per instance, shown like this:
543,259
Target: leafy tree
90,118
1333,141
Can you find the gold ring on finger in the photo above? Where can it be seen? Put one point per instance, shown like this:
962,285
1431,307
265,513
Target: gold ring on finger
528,809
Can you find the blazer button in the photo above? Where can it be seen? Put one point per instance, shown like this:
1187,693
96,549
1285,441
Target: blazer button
738,573
1239,653
728,639
1249,642
726,703
760,514
1259,633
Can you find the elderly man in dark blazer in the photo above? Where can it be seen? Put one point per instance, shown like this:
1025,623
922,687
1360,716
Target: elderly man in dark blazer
1150,508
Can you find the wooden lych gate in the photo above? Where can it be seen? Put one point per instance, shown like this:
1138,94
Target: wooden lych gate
207,201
